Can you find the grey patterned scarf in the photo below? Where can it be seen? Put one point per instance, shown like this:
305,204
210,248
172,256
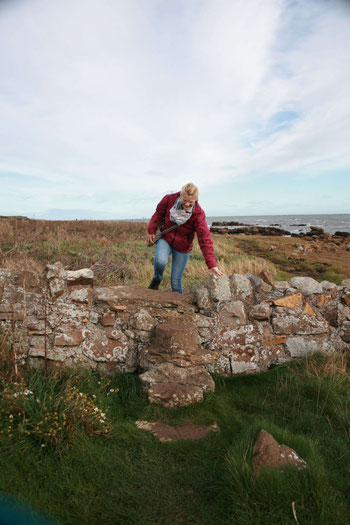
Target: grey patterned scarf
178,215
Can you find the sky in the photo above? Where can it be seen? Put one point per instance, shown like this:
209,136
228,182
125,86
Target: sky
107,105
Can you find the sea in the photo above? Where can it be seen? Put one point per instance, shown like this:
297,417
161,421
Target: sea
292,223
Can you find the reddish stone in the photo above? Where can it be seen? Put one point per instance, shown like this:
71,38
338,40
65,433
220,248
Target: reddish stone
290,301
266,276
108,319
321,301
72,338
308,310
101,348
268,453
277,341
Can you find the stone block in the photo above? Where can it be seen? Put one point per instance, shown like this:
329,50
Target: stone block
308,310
299,325
98,347
267,277
55,271
83,295
289,301
219,288
306,285
242,287
232,314
57,287
261,311
84,276
201,296
172,395
169,373
302,346
226,338
70,338
108,319
142,320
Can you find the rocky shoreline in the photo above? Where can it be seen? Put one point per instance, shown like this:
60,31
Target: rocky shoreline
235,228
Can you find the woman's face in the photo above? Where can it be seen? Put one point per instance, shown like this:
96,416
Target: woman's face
187,201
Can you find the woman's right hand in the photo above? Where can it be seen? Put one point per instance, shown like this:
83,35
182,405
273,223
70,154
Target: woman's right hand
151,237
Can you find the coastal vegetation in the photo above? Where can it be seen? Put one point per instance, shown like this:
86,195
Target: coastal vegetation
69,445
71,449
117,252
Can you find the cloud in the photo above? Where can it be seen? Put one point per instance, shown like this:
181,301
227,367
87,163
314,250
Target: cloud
102,101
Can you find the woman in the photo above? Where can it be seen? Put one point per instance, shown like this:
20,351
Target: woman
182,211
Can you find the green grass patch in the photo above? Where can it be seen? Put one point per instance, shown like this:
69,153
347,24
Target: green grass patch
111,472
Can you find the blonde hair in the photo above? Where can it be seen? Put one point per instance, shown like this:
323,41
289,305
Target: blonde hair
190,189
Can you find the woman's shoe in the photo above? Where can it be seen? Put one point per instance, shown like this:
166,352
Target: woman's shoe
154,284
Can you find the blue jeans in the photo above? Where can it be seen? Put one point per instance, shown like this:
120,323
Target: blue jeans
178,265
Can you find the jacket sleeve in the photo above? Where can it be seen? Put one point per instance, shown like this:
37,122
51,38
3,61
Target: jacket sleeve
158,216
205,240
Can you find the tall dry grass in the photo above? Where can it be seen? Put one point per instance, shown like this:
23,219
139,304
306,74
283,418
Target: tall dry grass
116,251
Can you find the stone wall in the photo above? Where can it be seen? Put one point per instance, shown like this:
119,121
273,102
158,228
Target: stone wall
230,325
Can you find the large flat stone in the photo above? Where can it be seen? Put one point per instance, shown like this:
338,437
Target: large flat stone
169,373
172,395
299,325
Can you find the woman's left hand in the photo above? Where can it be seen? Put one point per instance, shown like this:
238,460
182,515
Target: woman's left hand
216,271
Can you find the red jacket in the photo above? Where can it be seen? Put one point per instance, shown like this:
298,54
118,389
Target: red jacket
181,238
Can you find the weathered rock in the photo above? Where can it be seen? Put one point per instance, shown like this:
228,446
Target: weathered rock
57,287
172,395
242,288
302,346
168,373
306,285
345,283
346,299
261,311
175,342
267,277
260,287
142,320
71,338
299,325
227,364
308,310
55,271
108,319
165,432
28,280
219,288
289,301
268,453
232,313
84,276
201,296
273,352
345,331
226,338
98,347
326,286
83,295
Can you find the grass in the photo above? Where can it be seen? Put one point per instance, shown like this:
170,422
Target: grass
124,475
115,250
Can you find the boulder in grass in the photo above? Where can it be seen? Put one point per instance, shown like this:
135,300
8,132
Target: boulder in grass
269,453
